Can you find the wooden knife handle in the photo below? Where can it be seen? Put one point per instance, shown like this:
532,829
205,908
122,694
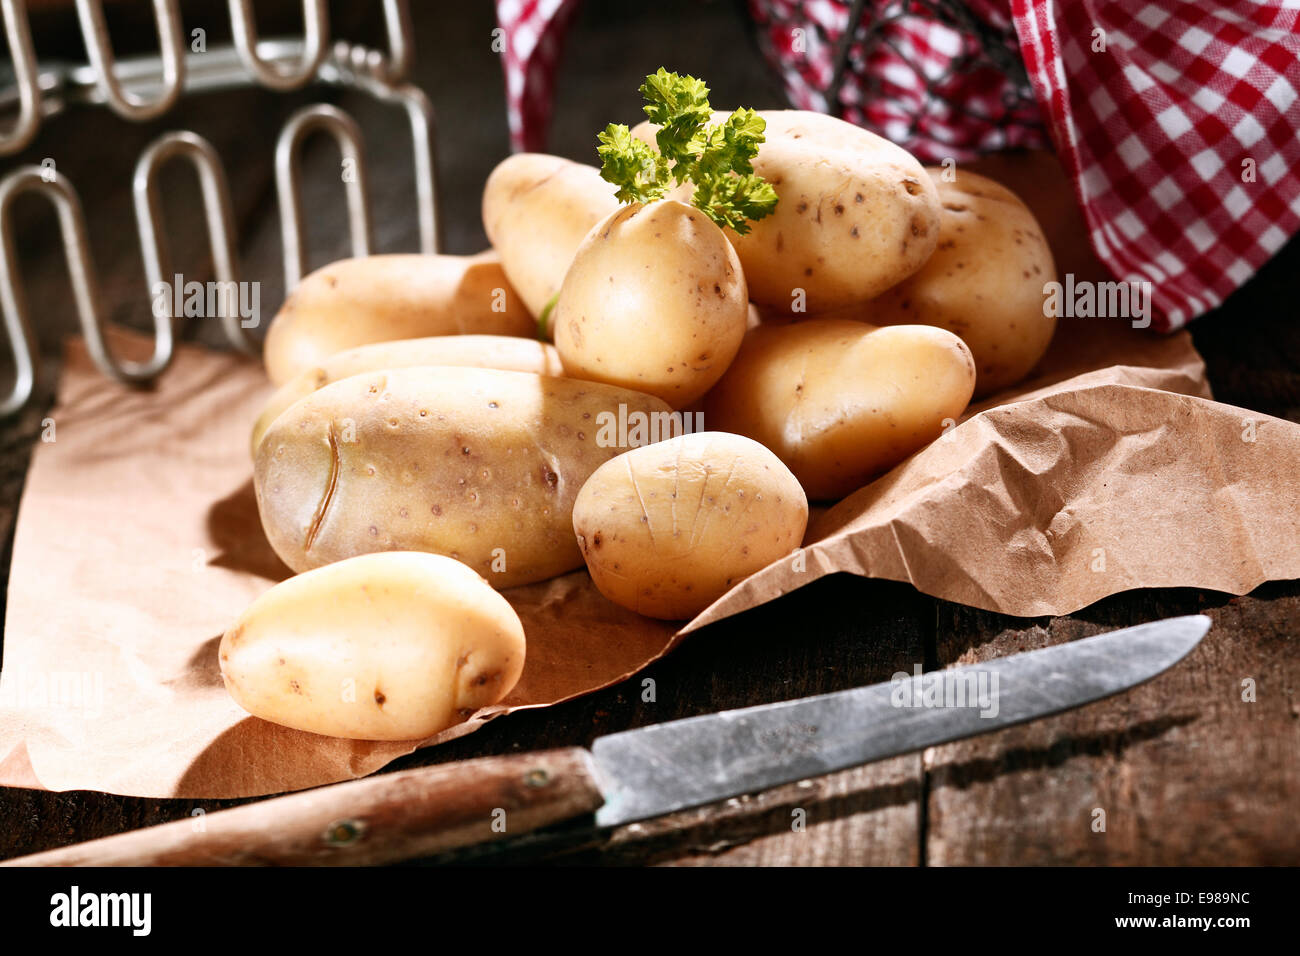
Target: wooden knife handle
381,819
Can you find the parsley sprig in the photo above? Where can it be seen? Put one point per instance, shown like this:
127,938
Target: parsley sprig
717,158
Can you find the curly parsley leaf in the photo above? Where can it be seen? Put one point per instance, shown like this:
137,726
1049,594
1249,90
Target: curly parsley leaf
735,201
640,173
717,158
679,106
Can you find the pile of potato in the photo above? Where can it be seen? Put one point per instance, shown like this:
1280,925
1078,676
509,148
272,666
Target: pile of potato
424,449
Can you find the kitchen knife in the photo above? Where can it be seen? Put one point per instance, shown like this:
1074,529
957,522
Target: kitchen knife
650,771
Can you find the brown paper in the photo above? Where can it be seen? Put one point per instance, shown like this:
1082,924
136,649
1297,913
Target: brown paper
138,543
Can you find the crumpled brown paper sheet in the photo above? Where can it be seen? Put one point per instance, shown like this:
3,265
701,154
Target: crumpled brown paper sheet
138,542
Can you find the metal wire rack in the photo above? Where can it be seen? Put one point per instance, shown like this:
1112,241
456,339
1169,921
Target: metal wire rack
144,88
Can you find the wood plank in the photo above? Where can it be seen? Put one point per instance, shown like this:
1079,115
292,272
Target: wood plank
1184,770
1027,795
868,816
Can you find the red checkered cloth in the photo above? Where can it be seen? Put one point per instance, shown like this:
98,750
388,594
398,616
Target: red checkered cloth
1182,138
1179,123
530,45
925,75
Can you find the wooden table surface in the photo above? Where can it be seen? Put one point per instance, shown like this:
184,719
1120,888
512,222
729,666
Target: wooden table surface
1185,770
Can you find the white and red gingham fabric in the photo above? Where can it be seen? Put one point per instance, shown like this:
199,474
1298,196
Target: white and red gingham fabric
926,84
1178,122
1182,138
530,42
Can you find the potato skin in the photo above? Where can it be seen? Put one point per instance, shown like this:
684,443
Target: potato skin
655,300
379,298
855,215
537,209
841,401
668,528
395,646
984,282
481,465
479,351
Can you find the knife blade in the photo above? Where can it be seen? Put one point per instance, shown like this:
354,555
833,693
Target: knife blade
649,771
655,770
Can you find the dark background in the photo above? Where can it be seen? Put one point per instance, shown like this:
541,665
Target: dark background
1197,780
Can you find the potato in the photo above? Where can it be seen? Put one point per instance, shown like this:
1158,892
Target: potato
984,282
856,214
655,300
537,209
479,351
667,529
393,646
380,298
841,401
478,464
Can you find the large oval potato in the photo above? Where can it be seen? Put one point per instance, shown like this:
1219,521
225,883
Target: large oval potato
667,529
537,209
984,282
380,298
477,464
856,214
655,300
479,351
841,401
393,646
